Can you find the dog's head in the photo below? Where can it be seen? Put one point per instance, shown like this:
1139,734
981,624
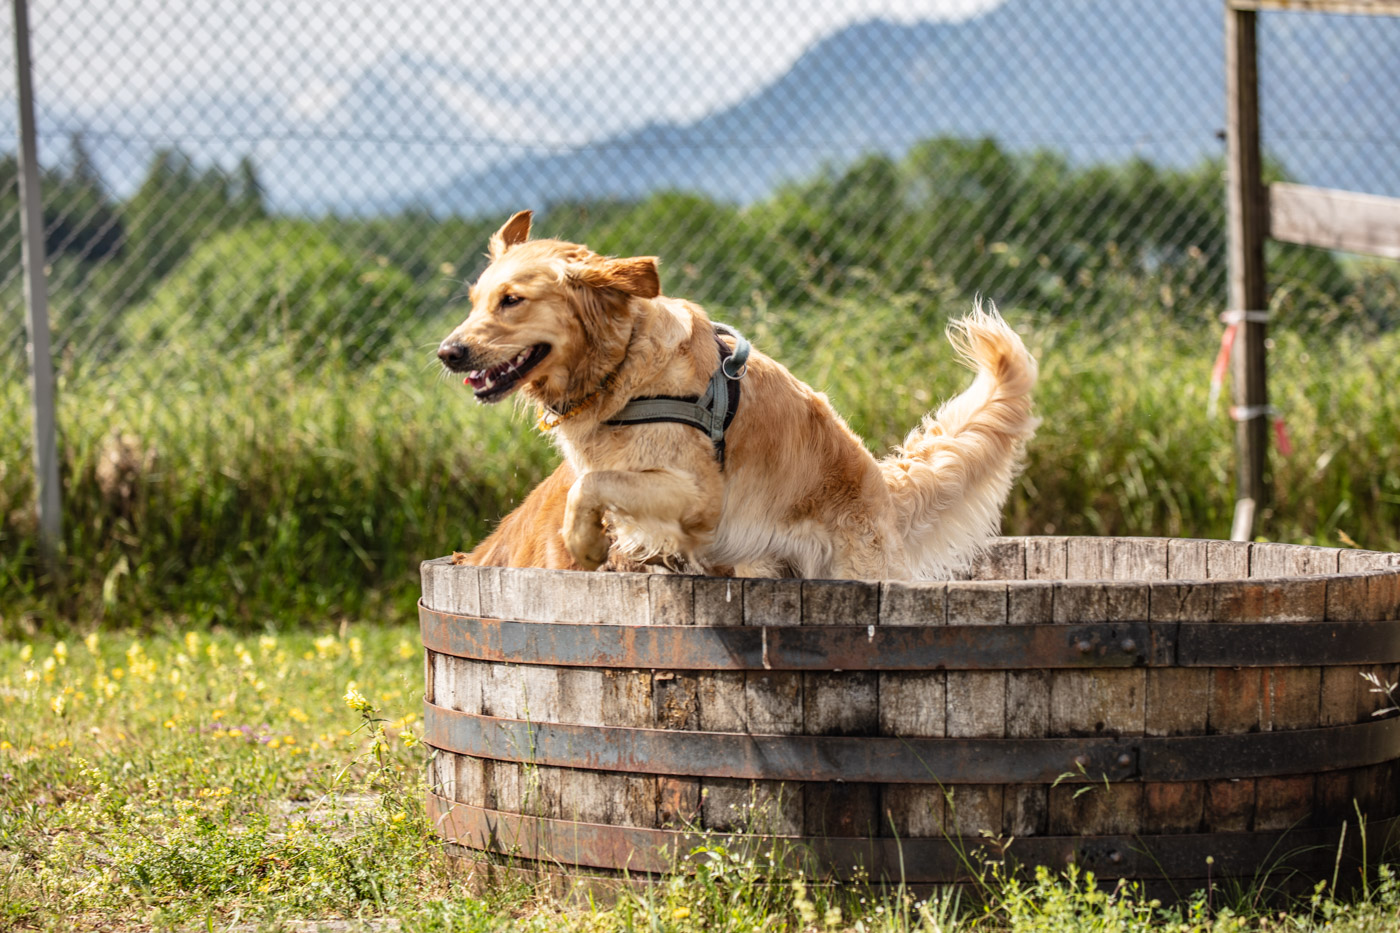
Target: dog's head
547,315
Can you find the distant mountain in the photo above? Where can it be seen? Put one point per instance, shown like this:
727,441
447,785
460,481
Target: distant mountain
1098,80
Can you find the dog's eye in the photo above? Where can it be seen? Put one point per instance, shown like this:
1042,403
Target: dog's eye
510,301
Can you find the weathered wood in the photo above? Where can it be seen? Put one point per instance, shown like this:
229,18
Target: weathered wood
1291,560
1004,559
1227,560
1094,809
627,698
1247,223
1332,219
718,601
773,700
1080,602
1098,703
611,798
677,802
913,604
765,806
772,602
1283,802
1291,697
976,700
1361,7
975,809
976,704
671,599
580,696
722,702
1235,700
1148,580
1338,695
1291,600
1139,559
912,704
1031,602
1025,809
840,602
1175,807
1047,559
675,697
1178,701
1229,806
1028,703
913,811
839,809
1179,601
1186,560
840,703
471,780
1088,558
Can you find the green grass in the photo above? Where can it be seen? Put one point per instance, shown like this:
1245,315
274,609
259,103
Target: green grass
267,485
194,780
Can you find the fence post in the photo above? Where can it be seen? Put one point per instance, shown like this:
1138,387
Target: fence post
1247,230
36,297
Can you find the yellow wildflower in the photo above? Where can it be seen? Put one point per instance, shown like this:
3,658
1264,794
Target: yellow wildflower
297,714
26,654
60,651
405,649
192,642
91,643
275,743
680,913
355,699
59,703
267,644
409,739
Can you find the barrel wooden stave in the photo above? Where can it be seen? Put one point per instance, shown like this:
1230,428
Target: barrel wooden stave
1020,582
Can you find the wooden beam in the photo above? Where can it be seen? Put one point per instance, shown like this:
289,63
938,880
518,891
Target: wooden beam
1345,220
1247,227
1362,7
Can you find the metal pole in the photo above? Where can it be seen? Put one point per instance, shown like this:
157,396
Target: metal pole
36,299
1248,291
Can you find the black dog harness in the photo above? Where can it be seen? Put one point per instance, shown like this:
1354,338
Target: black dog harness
712,412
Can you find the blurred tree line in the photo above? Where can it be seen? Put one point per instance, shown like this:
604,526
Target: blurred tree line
197,246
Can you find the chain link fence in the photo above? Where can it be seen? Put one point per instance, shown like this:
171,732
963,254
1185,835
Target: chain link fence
241,197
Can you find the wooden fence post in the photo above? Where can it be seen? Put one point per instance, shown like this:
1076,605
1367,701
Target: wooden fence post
1248,225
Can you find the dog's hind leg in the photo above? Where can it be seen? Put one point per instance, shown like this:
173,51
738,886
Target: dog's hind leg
650,513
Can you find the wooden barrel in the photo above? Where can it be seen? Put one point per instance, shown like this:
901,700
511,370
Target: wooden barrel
1147,708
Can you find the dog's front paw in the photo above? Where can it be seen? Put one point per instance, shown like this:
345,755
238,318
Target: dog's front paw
585,539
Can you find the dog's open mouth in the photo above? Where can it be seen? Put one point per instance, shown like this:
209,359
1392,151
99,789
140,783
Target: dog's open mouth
490,385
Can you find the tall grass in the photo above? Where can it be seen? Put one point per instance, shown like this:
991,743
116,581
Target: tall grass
237,488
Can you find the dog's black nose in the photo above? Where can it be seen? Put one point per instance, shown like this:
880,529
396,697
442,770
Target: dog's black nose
453,355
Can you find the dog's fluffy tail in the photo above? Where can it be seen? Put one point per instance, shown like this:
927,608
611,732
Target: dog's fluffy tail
953,473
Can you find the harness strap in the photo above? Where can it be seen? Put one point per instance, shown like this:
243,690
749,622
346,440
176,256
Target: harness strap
712,412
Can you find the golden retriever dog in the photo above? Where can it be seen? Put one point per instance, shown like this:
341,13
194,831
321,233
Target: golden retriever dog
531,535
787,489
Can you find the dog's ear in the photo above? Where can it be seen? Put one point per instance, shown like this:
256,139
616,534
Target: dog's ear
516,230
637,276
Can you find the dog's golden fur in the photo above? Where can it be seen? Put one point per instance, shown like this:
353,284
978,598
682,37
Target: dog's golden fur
798,493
